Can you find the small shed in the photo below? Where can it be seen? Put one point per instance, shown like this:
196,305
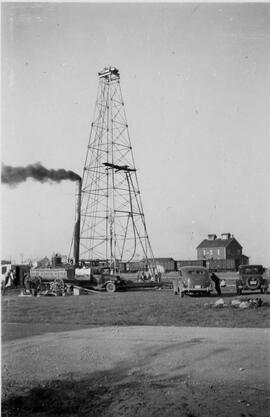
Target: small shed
169,264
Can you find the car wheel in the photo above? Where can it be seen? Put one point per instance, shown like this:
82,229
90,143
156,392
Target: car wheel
110,287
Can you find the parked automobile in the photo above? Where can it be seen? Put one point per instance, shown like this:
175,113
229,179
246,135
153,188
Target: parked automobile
102,279
251,279
195,280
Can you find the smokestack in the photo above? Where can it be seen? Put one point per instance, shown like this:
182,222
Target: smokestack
77,226
13,176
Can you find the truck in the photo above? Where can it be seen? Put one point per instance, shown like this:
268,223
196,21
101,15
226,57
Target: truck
100,278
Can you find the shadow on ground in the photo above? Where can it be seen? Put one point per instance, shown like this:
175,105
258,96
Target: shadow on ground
112,393
127,390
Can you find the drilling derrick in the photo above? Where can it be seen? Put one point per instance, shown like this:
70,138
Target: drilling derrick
113,227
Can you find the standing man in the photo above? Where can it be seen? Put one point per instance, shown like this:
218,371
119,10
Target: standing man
178,286
26,281
216,281
175,286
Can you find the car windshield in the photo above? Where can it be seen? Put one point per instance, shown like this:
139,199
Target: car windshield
196,272
252,270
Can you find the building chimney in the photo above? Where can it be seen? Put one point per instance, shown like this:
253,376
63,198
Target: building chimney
225,236
212,237
77,226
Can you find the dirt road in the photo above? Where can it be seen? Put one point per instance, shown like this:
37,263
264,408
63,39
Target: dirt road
138,371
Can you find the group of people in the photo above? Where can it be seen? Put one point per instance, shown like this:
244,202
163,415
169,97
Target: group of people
9,281
148,276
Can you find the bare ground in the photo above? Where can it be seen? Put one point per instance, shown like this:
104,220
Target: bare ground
142,371
128,354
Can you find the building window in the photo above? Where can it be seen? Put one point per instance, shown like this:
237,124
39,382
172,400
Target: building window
211,251
204,252
218,251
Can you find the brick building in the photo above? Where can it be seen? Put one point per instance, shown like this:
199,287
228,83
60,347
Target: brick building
224,248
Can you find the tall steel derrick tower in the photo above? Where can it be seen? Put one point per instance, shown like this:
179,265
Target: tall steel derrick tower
113,225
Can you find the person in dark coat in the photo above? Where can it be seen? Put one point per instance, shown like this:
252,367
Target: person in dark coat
27,281
216,281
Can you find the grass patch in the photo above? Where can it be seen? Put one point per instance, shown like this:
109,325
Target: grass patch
21,316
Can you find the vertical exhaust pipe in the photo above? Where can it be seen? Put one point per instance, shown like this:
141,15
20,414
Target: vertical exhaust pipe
77,226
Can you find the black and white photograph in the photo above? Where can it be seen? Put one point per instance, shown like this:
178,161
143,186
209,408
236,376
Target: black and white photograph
135,209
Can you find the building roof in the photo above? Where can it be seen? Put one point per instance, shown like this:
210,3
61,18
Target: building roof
164,259
217,243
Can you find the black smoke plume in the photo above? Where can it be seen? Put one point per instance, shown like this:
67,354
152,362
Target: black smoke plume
15,175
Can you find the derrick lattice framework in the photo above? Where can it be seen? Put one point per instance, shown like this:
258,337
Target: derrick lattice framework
113,225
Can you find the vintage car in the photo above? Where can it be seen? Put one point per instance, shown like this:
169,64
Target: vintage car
104,279
251,279
194,280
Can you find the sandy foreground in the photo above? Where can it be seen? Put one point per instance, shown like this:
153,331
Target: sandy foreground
138,371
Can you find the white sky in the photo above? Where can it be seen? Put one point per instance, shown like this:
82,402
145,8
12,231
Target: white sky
195,81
